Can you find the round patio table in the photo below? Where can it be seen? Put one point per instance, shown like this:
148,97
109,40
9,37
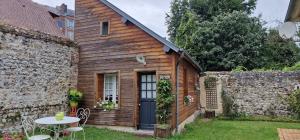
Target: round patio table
56,124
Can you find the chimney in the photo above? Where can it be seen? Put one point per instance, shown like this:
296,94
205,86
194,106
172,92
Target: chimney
63,9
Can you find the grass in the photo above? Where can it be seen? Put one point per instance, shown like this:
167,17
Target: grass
93,133
234,130
208,130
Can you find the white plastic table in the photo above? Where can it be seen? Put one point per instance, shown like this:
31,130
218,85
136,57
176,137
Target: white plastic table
56,124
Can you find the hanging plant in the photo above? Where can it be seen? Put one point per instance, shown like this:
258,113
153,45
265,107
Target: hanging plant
188,99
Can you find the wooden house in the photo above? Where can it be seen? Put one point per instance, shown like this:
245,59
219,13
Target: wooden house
112,48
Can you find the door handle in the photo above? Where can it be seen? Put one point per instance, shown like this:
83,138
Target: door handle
139,104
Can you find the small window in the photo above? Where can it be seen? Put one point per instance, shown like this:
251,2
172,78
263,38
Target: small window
104,29
70,23
70,35
108,88
59,24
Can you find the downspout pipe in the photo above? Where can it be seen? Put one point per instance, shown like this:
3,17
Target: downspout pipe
177,89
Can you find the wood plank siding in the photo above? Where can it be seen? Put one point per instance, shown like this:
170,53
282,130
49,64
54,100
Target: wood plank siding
117,53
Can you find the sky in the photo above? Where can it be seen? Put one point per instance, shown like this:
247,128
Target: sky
152,13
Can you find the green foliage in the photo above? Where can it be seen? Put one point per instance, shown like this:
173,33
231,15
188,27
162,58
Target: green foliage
179,8
239,69
295,67
164,101
223,35
294,102
107,105
208,80
229,107
207,9
278,52
75,95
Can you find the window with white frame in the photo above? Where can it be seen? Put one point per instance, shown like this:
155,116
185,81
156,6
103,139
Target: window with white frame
111,88
70,35
70,23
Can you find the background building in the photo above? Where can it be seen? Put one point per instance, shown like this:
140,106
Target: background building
64,19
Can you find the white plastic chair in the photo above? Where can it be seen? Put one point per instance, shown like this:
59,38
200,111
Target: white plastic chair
83,115
28,125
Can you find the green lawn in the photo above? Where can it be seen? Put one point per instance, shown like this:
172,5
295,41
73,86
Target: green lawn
200,130
234,130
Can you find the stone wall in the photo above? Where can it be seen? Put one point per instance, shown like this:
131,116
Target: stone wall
36,71
256,93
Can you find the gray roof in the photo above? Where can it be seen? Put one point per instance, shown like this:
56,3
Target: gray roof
290,10
168,45
54,10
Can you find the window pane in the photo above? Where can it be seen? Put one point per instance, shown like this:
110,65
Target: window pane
111,88
143,86
149,94
143,78
154,86
154,94
149,78
104,28
149,87
143,94
154,78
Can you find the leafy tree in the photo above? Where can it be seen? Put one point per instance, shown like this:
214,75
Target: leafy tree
222,35
207,9
229,40
279,52
179,8
219,34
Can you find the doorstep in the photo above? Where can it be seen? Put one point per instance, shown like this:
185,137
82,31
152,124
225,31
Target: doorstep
126,129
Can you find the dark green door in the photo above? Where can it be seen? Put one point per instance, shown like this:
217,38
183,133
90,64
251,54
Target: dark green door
147,100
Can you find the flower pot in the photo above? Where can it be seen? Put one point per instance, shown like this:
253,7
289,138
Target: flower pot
162,131
73,104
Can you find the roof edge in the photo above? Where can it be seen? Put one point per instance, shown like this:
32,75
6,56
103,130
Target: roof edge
289,10
18,31
167,43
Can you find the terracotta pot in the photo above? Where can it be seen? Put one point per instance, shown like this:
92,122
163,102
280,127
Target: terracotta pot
73,104
162,132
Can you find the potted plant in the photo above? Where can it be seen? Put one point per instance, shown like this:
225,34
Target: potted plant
164,101
74,97
105,105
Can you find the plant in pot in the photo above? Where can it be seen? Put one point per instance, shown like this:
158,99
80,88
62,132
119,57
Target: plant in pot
74,97
164,101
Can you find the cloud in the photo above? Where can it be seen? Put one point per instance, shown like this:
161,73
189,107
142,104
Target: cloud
152,13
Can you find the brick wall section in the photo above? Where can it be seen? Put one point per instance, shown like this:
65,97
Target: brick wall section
258,93
36,71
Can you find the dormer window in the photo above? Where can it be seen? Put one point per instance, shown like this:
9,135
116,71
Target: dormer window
104,28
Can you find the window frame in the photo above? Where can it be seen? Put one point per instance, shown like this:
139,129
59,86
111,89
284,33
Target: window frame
101,27
114,88
98,87
72,25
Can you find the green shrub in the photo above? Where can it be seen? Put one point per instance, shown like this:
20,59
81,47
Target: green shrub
164,101
239,69
296,67
294,102
229,107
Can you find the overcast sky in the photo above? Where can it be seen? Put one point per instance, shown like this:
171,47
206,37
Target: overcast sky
152,13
